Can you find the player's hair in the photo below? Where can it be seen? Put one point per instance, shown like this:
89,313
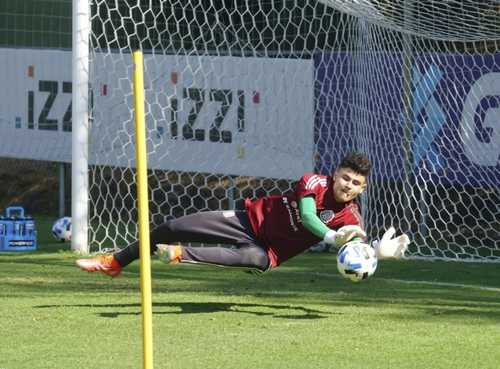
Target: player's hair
358,162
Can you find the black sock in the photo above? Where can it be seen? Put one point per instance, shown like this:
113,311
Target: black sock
127,255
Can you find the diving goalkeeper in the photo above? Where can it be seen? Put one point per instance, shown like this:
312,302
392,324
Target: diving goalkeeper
270,230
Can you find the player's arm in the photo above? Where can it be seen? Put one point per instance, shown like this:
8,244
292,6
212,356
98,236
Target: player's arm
311,222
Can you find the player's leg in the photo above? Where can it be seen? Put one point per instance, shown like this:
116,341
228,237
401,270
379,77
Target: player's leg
212,227
247,256
225,227
217,227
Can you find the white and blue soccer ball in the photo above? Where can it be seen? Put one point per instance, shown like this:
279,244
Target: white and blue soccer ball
356,261
61,229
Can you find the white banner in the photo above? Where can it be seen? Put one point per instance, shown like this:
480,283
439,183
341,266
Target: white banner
35,100
228,115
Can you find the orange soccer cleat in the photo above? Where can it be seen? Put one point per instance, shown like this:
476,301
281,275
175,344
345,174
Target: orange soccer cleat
106,264
170,254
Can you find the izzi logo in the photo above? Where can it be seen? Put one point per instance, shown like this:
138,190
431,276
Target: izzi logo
42,102
48,92
218,127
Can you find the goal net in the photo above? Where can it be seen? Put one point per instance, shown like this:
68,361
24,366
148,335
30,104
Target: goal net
243,97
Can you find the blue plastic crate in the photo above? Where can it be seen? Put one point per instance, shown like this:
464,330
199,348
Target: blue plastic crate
17,231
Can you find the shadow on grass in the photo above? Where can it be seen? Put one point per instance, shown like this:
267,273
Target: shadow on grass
307,280
275,311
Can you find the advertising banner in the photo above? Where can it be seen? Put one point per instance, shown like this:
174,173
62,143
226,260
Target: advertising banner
448,108
227,115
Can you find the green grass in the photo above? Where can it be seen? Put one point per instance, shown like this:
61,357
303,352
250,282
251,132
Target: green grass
302,315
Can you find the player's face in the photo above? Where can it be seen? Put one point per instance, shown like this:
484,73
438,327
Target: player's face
347,184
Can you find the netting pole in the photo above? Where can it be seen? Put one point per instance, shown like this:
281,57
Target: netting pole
231,192
142,197
62,189
407,91
80,127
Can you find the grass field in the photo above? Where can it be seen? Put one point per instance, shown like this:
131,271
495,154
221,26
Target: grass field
302,315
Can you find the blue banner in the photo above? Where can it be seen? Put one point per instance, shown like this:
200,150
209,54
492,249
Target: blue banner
448,108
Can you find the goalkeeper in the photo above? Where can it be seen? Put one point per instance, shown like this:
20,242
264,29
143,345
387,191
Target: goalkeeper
269,231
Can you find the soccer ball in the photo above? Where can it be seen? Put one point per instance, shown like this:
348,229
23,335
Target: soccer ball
356,261
61,229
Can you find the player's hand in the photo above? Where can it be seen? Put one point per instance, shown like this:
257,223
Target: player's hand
391,248
343,235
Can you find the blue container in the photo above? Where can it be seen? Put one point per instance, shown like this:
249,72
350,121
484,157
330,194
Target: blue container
3,231
17,231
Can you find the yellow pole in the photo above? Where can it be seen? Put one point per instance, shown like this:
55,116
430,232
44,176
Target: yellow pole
142,195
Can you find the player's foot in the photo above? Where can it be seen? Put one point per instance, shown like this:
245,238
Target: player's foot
106,264
170,254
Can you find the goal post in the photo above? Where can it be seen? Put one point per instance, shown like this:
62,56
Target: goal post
80,127
244,97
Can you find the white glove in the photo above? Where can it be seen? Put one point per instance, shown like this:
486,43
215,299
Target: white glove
391,248
343,235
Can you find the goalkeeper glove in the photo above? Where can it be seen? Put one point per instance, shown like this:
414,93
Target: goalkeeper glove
391,248
343,235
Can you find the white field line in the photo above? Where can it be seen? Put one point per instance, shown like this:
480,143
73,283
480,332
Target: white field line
443,284
428,283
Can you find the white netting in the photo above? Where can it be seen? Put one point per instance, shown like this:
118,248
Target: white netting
450,20
243,97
